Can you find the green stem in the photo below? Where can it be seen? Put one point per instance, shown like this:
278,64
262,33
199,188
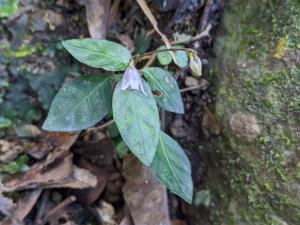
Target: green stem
138,58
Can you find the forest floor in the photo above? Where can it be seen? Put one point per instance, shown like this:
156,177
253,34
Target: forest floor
41,172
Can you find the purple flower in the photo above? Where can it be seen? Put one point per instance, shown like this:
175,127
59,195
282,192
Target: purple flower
132,79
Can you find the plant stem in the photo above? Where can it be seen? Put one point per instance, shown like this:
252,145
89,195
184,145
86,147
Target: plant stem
138,58
204,33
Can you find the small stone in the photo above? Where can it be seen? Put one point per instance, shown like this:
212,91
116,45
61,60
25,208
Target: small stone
56,197
177,128
244,126
190,81
53,19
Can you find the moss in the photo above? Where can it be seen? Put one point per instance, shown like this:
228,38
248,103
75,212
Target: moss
257,72
23,51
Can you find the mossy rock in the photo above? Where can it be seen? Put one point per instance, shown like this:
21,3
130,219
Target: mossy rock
255,179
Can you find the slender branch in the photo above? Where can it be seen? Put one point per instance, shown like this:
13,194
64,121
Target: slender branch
58,209
138,58
195,38
101,127
191,88
149,15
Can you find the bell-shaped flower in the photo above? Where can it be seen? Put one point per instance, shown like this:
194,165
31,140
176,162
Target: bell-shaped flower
132,79
195,65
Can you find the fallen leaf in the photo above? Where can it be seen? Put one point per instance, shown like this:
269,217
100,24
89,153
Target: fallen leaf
22,208
100,152
127,41
113,11
106,213
56,171
48,141
7,206
209,122
145,196
58,213
79,179
97,17
178,222
56,166
9,151
127,220
89,195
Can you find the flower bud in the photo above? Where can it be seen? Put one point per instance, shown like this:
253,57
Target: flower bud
195,65
132,79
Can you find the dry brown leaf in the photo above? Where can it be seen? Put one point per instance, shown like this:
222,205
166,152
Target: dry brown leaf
100,152
90,195
79,179
113,11
9,151
127,41
145,197
48,141
127,220
178,222
106,213
23,208
55,167
26,203
209,122
97,17
56,171
58,212
7,206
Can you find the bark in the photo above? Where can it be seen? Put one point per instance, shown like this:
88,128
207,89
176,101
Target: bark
255,176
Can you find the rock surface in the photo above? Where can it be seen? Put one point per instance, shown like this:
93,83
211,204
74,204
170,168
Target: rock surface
255,176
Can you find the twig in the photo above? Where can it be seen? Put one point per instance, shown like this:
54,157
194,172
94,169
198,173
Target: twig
206,14
100,127
149,33
148,13
150,61
138,58
42,206
192,88
163,119
195,38
59,208
20,11
113,11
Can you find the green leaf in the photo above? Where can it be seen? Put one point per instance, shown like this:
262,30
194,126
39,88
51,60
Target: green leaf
80,104
172,167
164,58
5,122
97,53
203,198
20,164
163,81
121,149
142,42
7,7
137,118
112,131
181,59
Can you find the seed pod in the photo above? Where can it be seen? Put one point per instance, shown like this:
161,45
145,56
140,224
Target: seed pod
195,65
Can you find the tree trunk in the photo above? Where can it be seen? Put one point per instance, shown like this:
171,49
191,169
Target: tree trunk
255,179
